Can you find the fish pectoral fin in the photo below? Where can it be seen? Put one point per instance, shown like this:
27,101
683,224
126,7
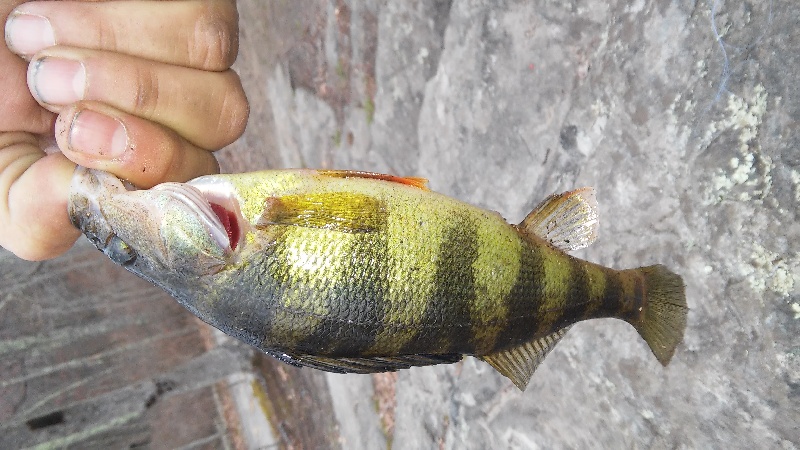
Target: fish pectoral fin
341,211
366,364
418,182
519,363
568,221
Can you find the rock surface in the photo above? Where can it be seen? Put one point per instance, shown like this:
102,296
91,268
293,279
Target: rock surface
683,114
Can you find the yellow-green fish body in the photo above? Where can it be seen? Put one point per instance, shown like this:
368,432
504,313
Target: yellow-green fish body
358,272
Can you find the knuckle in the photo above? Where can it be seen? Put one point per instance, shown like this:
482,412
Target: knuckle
106,37
212,165
215,42
234,111
146,92
151,165
169,160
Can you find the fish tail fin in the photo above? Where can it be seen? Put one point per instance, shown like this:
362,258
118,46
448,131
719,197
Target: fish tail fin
662,321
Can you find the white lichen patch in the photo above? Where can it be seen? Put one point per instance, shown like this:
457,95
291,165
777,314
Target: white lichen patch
746,117
796,310
702,68
748,169
795,177
678,131
599,108
635,7
422,56
742,169
769,271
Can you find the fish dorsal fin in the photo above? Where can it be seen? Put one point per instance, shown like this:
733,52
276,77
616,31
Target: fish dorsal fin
365,364
568,221
519,363
340,211
418,182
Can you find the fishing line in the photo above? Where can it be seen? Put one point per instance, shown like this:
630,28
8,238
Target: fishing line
727,71
726,66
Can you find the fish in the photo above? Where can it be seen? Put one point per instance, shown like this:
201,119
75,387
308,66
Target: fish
359,272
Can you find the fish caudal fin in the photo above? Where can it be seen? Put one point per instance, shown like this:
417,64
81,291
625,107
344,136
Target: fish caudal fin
519,363
663,319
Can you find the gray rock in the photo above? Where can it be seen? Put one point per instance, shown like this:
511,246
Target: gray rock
682,114
684,117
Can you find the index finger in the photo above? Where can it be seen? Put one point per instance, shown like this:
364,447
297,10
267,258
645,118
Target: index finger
197,34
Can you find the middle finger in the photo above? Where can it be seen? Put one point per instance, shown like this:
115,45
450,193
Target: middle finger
209,109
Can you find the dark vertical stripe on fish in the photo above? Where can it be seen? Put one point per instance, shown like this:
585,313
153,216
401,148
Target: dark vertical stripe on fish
613,294
632,306
447,322
595,276
522,321
578,295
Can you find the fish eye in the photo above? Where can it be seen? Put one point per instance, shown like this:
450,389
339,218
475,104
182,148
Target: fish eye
120,252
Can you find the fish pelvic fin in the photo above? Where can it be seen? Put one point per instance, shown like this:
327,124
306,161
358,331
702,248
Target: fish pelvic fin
568,221
662,321
519,363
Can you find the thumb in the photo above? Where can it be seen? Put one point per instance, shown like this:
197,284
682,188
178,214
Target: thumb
34,189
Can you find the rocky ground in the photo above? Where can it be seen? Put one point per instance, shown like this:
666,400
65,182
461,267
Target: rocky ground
682,114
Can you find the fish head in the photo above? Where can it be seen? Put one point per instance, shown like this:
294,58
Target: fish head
170,228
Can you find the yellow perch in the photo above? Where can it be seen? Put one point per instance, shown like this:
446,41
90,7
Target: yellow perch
360,272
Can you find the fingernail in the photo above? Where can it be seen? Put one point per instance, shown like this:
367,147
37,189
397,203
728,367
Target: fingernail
57,81
96,134
26,34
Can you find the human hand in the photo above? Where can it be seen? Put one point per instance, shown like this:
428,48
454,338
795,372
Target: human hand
143,90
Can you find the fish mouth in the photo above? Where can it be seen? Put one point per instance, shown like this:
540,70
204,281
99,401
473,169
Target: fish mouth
219,214
213,202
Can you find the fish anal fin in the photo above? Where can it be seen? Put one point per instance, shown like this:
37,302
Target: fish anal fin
340,211
519,363
568,221
364,364
418,182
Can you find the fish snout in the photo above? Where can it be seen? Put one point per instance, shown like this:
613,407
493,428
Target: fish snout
176,226
88,190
